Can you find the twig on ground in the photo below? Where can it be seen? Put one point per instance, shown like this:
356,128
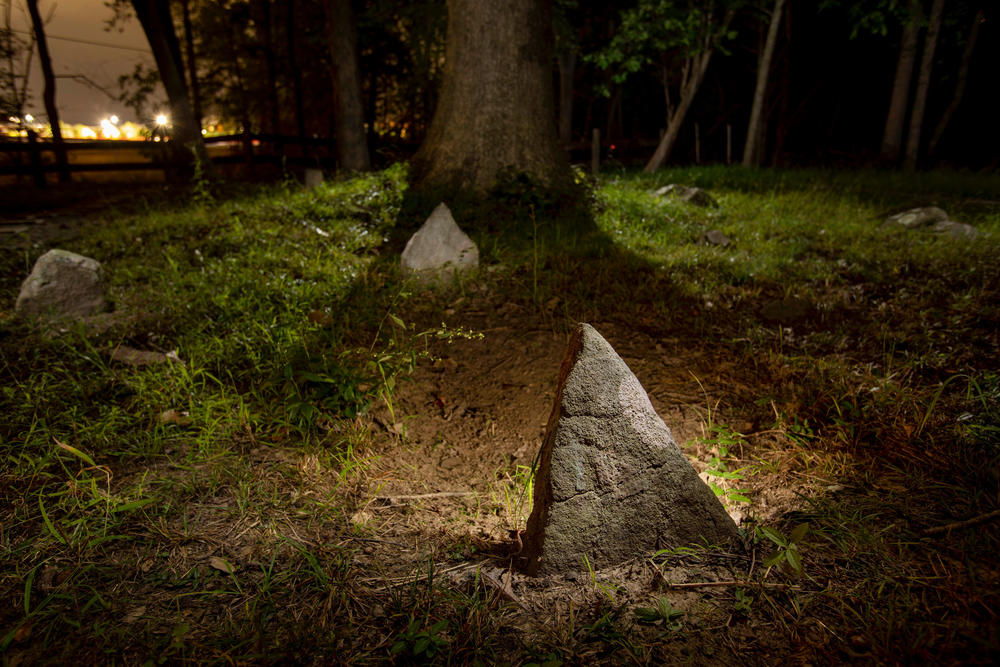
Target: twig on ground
958,525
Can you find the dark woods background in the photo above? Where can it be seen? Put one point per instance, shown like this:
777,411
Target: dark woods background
266,65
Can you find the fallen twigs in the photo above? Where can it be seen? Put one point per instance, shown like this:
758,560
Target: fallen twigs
958,525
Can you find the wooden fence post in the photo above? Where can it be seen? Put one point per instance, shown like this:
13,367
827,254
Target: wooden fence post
35,157
595,152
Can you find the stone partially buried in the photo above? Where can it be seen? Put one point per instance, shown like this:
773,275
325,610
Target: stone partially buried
63,285
612,483
439,249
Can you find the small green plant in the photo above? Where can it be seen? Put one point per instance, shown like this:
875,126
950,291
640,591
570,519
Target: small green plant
721,440
663,614
419,641
788,555
743,602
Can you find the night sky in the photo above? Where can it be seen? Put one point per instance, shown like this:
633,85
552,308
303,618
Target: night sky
84,20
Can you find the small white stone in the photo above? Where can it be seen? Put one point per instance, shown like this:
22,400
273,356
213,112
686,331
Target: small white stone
439,249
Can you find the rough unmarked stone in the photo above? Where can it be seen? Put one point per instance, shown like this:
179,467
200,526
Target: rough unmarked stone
313,178
715,237
688,194
61,285
955,230
917,217
611,482
439,248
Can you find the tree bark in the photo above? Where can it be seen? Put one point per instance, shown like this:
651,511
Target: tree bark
49,94
158,25
192,64
892,136
963,75
567,70
751,154
348,110
300,114
923,85
495,112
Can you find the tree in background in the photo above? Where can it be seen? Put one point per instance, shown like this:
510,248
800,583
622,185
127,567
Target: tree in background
679,38
895,121
751,152
495,112
978,19
49,93
158,25
923,86
15,66
348,112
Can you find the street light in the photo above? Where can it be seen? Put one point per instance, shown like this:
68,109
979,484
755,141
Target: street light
161,119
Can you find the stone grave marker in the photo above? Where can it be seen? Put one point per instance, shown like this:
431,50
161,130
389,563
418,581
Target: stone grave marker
439,249
611,482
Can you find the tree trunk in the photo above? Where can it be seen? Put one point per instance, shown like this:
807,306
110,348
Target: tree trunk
923,85
688,92
157,24
192,64
963,75
348,110
567,70
751,154
892,136
300,114
49,94
495,112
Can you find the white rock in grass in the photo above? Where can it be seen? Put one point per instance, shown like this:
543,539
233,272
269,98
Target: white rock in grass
63,285
439,249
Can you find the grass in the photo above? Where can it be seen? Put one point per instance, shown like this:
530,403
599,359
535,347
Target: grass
212,510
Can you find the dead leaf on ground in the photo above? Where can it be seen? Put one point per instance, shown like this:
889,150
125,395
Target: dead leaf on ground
222,565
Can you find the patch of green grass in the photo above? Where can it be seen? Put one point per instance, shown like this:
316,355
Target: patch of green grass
204,510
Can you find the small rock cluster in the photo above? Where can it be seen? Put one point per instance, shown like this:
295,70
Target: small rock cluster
934,220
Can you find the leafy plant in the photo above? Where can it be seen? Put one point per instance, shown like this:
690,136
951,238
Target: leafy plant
420,642
662,614
788,555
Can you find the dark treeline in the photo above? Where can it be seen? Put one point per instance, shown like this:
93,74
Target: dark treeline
663,81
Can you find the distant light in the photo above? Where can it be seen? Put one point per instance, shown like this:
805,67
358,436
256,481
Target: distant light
88,133
108,130
204,131
114,119
29,118
161,119
14,119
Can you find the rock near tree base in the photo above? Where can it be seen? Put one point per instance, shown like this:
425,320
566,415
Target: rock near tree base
439,249
612,484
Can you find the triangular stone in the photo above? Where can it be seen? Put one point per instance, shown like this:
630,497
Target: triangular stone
439,248
611,482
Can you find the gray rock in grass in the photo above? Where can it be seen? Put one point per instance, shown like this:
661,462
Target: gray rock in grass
955,230
612,484
715,237
439,249
918,217
687,194
63,285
